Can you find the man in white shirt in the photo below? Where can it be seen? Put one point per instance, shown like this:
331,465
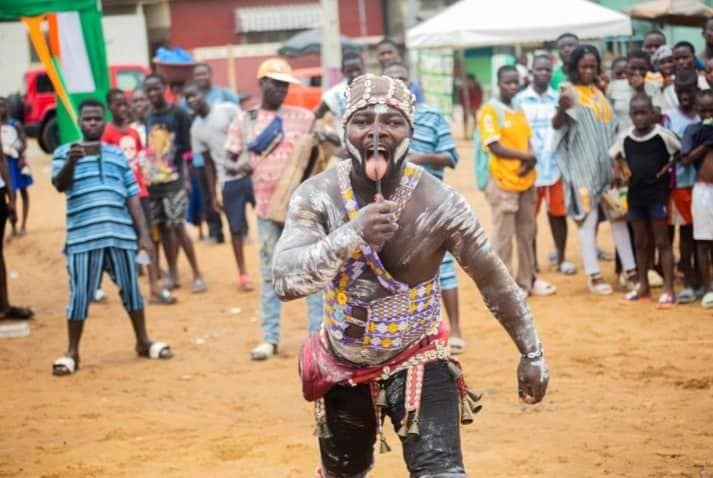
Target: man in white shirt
208,135
539,102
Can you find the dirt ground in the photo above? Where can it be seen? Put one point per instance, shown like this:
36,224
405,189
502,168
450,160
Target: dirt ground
631,392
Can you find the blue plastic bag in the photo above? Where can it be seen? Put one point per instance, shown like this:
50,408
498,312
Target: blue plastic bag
173,55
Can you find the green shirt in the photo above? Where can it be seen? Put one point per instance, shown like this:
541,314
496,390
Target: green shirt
558,77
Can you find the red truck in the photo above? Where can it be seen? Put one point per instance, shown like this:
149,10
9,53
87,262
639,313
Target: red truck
38,110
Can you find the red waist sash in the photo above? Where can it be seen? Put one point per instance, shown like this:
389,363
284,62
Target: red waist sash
320,369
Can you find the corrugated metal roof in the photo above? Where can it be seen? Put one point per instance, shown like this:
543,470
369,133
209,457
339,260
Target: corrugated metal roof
288,17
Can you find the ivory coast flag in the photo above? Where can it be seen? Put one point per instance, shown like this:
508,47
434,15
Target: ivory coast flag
73,51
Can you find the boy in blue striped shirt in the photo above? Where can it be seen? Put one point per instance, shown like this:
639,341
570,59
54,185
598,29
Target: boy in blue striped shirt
433,148
102,209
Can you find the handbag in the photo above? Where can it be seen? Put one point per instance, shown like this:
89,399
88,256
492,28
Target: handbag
268,139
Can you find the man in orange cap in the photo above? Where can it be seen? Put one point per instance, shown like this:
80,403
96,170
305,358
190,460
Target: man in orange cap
259,144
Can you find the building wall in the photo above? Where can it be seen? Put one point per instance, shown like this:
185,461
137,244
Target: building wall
206,27
123,48
15,59
212,22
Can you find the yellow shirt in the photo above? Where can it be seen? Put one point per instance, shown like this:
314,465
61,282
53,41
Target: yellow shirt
592,97
513,133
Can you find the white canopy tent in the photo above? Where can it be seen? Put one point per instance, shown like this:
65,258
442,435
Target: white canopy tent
477,23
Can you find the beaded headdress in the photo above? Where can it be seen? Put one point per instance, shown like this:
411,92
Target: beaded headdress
371,89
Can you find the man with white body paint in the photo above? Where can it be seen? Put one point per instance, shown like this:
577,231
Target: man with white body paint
381,349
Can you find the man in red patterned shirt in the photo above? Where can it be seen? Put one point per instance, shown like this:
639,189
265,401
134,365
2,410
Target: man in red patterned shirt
259,145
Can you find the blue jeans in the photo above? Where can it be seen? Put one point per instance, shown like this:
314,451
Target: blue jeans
270,232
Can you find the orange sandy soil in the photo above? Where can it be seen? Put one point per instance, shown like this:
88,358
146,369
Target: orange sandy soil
630,395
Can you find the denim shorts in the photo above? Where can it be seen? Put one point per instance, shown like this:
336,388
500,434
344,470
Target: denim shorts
653,210
237,194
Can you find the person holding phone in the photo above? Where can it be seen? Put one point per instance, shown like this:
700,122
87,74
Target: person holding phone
101,237
585,128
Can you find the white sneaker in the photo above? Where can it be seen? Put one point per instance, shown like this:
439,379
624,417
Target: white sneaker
263,351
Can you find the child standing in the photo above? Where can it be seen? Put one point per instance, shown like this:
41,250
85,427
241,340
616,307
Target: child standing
646,150
697,151
511,190
677,119
120,133
13,145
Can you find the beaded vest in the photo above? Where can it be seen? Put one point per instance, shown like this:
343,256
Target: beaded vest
394,321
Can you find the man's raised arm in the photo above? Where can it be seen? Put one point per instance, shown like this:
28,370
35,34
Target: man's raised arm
306,257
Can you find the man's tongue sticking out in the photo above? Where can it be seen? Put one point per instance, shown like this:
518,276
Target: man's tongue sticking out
376,164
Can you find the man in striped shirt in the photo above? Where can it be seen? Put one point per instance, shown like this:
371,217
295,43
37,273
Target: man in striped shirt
539,103
102,209
433,148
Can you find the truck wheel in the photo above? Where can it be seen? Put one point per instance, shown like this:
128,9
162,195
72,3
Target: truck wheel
49,136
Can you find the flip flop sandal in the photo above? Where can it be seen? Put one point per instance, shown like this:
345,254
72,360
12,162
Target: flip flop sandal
170,284
633,297
18,313
199,286
601,288
629,280
666,301
158,351
686,296
164,298
64,366
542,288
456,345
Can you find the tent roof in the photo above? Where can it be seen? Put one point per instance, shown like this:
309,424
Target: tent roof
476,23
679,12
